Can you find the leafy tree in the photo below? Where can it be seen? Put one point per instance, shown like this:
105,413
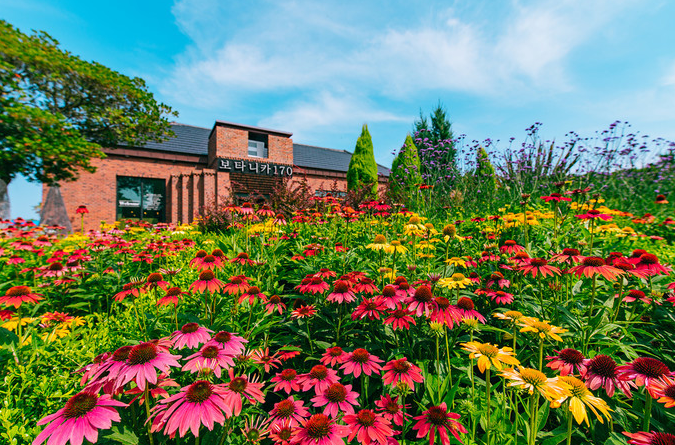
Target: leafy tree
57,111
405,174
362,167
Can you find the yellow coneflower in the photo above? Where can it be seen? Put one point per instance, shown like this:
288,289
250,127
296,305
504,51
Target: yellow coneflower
457,280
379,243
534,381
395,247
456,261
426,245
430,228
542,328
579,397
510,316
490,355
414,227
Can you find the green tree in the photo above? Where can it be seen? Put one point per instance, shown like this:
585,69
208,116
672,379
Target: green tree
362,170
405,175
57,111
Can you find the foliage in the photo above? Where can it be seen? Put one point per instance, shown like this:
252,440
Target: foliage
58,110
436,147
405,177
362,166
291,195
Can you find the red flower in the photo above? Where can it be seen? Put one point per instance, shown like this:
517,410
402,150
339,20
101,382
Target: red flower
539,265
402,370
555,197
400,319
17,295
437,418
593,214
274,303
304,311
243,259
361,360
566,361
342,292
643,371
567,256
207,281
367,427
334,356
319,430
171,296
651,438
511,247
370,307
593,265
422,301
366,285
286,380
82,210
337,398
252,293
236,285
391,410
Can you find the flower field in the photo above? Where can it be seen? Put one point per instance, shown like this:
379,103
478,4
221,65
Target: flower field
548,323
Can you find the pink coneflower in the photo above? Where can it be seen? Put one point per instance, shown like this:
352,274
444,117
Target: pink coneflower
444,313
156,280
650,438
281,432
274,304
342,293
649,264
207,281
143,362
237,285
287,354
567,361
15,259
556,197
501,297
133,288
105,370
629,268
253,293
568,256
337,398
319,430
401,370
239,387
437,418
334,356
369,307
171,296
6,315
403,288
191,335
289,411
498,278
594,214
210,262
519,259
467,309
488,256
17,295
400,318
229,341
367,427
325,273
361,360
243,259
304,311
663,390
82,416
643,371
316,285
634,295
391,297
201,403
264,358
197,260
213,358
286,380
422,302
319,378
392,410
601,371
539,266
366,286
55,269
510,247
593,265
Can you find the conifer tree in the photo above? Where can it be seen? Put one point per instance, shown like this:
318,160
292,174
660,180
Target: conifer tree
362,167
405,175
484,176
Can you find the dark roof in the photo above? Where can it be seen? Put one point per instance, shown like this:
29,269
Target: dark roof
195,141
322,158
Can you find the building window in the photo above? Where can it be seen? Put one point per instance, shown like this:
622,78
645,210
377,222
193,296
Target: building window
141,199
257,145
334,194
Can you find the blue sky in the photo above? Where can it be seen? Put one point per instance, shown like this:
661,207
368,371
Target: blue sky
322,69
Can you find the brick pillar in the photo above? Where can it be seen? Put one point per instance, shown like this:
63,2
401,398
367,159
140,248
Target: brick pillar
209,189
196,196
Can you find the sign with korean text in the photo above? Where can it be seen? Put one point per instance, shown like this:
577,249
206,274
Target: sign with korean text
254,167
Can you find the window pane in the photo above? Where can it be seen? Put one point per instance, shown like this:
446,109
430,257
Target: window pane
128,198
154,197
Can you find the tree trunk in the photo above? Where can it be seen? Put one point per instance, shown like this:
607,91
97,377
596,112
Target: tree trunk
4,200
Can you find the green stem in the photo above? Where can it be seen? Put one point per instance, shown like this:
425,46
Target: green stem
617,302
19,328
541,353
569,427
487,402
648,411
438,367
533,417
447,354
309,337
146,396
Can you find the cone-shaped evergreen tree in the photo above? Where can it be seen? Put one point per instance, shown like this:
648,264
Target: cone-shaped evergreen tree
484,176
362,167
405,174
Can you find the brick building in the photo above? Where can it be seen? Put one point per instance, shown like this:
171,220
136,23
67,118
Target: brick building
174,180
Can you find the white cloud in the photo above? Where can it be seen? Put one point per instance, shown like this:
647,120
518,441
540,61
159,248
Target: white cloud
318,49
